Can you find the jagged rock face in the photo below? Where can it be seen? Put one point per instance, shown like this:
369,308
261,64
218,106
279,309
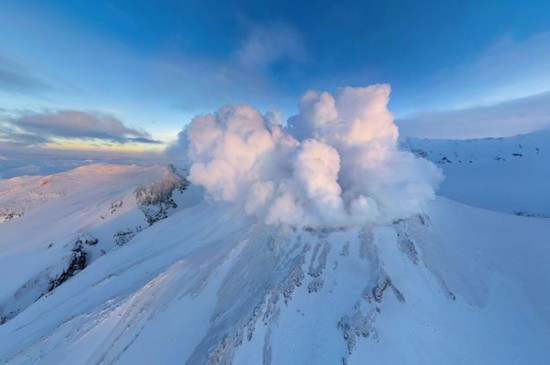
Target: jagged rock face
156,200
77,262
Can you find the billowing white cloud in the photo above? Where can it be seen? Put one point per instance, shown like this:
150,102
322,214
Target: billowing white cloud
335,164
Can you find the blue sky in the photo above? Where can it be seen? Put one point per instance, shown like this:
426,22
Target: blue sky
137,71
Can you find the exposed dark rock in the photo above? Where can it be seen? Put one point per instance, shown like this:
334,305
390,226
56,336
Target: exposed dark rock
8,216
77,263
527,214
122,237
115,205
384,282
444,160
358,325
420,153
407,246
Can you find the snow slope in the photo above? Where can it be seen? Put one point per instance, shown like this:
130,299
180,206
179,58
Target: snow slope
456,284
511,174
55,225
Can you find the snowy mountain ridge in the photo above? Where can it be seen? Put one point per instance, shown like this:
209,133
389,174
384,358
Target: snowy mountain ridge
54,226
208,284
420,290
505,174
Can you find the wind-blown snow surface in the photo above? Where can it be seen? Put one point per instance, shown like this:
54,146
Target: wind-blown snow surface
510,175
53,226
455,285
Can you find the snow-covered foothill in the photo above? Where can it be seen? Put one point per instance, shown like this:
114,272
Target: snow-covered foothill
53,226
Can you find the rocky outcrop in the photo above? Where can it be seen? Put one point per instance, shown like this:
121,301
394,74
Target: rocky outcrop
77,262
156,200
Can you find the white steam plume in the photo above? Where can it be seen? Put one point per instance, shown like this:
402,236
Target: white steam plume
336,163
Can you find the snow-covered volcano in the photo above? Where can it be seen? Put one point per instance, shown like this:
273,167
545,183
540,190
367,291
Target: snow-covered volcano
321,241
455,284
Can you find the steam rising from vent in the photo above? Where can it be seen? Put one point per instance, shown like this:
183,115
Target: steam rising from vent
335,164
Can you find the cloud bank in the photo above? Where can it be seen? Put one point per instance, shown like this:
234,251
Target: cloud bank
518,116
34,129
335,164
